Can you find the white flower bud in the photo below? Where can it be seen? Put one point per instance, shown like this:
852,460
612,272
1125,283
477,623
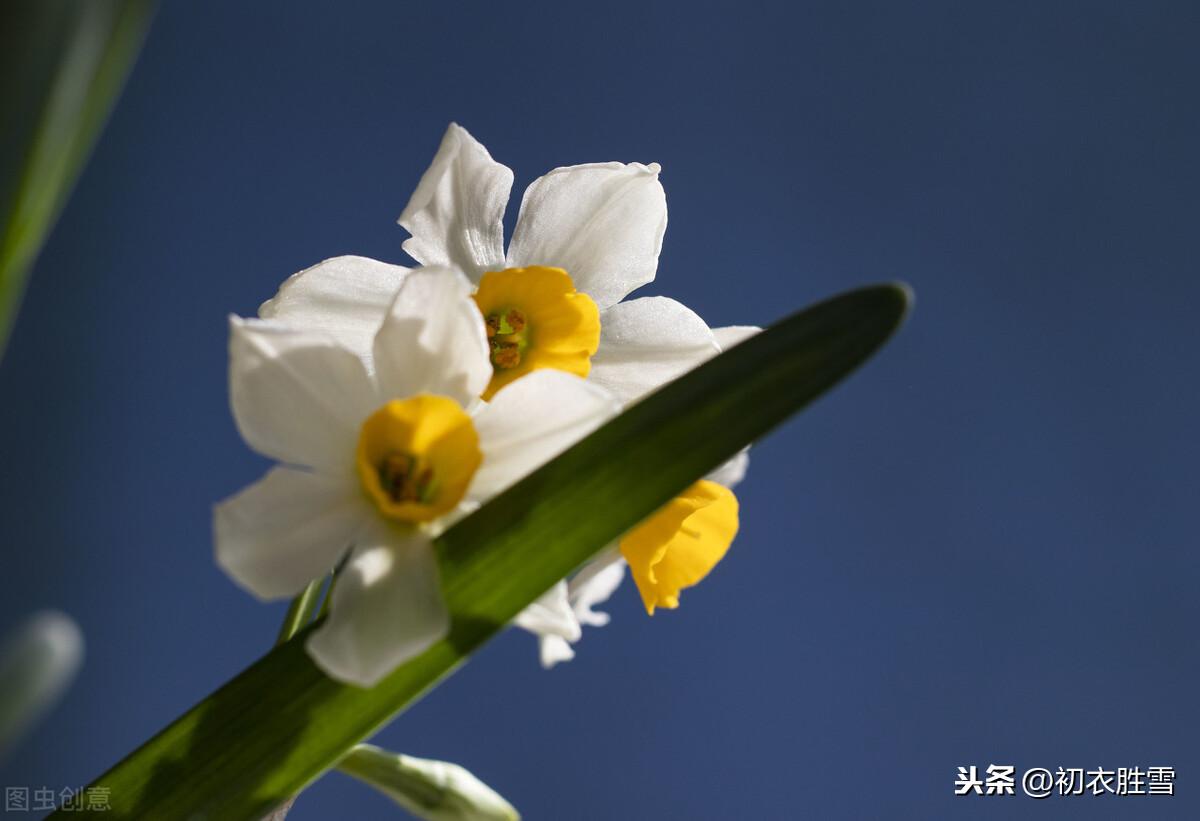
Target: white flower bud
433,790
38,662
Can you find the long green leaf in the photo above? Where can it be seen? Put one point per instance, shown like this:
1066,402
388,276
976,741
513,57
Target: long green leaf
263,736
62,63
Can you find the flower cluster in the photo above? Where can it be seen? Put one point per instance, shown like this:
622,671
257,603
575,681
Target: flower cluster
397,400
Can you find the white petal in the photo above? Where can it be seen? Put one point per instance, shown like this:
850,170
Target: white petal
297,396
731,335
346,297
550,615
554,649
387,607
531,421
732,472
602,223
456,214
594,584
287,529
647,342
433,339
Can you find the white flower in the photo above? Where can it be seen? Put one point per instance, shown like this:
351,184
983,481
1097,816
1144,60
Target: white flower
585,237
602,224
377,461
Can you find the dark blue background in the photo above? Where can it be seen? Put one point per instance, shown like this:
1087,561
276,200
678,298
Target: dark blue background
979,550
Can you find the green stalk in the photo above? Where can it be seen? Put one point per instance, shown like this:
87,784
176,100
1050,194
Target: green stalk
300,611
261,738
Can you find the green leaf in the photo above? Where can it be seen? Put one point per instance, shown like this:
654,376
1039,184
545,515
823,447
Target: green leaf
62,63
266,734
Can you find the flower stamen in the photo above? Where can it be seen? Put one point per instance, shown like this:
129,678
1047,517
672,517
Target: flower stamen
536,318
416,456
404,478
506,337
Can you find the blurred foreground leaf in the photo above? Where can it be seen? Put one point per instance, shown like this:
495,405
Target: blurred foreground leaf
62,63
262,737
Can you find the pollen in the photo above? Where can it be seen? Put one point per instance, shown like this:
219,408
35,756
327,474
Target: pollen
506,354
536,319
416,457
506,337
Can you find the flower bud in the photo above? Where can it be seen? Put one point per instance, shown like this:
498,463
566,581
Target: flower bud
433,790
37,663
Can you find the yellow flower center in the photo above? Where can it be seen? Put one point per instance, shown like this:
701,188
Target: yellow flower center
416,457
677,546
536,319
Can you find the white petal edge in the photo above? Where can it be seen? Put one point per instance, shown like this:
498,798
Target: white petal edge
731,335
554,649
551,614
531,421
387,608
456,215
297,396
603,223
647,342
594,584
286,529
433,339
344,297
731,473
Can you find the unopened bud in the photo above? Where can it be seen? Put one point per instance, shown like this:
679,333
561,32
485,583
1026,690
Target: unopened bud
433,790
37,663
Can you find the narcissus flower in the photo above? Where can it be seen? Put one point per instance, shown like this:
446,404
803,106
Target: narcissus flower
378,460
673,549
585,237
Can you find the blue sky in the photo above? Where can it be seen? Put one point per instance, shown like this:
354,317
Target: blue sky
978,550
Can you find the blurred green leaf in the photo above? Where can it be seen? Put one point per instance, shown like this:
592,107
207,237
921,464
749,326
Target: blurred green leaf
266,734
62,63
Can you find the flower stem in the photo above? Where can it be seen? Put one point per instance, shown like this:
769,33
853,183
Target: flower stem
301,610
300,613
